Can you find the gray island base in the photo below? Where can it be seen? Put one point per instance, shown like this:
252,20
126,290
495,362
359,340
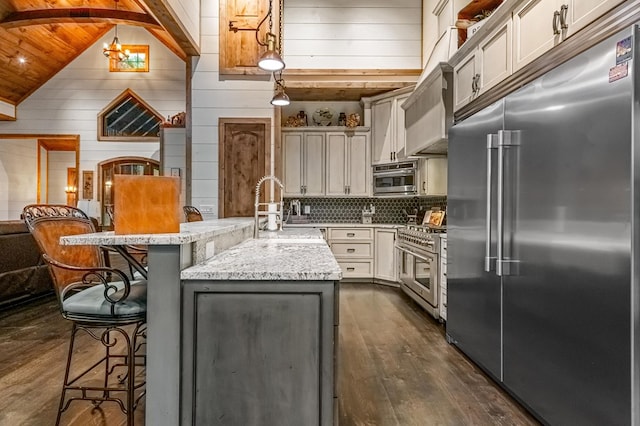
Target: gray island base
259,333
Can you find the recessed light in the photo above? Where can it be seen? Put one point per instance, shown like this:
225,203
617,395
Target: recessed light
22,60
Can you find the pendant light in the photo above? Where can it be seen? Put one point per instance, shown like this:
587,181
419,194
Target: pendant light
280,98
271,59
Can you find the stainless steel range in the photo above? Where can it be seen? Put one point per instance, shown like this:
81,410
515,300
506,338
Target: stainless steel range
418,248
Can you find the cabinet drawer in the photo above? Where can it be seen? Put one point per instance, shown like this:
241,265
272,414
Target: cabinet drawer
351,234
352,249
354,269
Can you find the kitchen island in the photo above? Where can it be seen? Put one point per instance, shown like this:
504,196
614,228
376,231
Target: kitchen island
276,295
260,333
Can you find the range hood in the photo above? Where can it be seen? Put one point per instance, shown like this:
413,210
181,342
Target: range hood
429,113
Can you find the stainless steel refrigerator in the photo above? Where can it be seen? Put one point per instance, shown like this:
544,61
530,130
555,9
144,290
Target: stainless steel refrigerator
544,239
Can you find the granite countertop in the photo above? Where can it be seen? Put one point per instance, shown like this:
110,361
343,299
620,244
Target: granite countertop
343,225
289,256
189,232
288,233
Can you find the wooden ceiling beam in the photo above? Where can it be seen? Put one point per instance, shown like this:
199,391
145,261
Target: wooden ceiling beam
79,16
170,22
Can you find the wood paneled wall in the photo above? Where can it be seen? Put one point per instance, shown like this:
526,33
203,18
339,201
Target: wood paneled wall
359,34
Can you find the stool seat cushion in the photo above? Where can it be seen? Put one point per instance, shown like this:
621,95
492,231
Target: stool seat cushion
91,301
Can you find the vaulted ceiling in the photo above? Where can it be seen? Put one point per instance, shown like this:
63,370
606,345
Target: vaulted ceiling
40,37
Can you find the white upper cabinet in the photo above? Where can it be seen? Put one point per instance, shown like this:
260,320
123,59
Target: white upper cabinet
325,162
388,129
358,166
536,26
348,170
494,56
522,31
381,131
540,25
581,13
336,164
303,160
433,176
465,80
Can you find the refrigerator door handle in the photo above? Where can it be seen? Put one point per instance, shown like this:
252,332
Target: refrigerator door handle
489,261
505,264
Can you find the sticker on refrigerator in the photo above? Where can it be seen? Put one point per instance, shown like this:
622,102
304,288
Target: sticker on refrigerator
618,72
623,50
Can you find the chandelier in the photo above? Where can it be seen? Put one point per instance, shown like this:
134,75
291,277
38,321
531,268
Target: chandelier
114,50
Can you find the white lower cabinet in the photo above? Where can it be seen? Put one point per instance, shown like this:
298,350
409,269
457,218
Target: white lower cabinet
365,252
385,254
353,249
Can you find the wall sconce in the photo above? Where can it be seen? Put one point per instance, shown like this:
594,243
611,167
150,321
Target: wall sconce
270,60
70,189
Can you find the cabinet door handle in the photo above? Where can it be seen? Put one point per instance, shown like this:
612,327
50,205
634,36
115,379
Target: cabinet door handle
351,235
475,83
351,250
348,190
563,16
556,19
351,269
424,186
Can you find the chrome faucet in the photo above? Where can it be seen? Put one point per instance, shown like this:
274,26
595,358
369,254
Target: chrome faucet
258,212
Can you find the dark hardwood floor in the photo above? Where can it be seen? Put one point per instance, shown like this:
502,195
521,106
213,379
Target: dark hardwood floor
395,368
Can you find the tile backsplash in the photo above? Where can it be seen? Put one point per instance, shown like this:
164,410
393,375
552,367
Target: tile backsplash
349,210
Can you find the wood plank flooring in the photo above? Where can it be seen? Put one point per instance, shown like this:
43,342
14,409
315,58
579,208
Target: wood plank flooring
395,368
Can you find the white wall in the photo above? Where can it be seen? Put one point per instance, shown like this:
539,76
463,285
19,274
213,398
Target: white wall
18,176
69,103
358,34
58,163
188,12
214,98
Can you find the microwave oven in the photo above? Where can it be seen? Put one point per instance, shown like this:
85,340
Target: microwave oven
395,179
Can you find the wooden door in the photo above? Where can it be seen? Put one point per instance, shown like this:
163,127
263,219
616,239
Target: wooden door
244,159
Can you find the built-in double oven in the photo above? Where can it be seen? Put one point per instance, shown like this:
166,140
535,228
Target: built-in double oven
418,270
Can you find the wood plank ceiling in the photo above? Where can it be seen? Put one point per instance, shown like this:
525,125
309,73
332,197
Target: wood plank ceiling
38,38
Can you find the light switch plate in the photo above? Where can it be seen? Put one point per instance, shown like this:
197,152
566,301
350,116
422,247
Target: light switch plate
307,209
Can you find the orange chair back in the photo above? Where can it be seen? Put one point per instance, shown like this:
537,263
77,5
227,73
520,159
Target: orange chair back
47,232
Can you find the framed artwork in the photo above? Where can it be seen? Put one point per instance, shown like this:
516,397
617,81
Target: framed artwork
87,184
138,60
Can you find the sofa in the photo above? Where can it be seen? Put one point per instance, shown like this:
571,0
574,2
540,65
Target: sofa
23,274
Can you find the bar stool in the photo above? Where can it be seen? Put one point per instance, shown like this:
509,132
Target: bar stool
104,303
